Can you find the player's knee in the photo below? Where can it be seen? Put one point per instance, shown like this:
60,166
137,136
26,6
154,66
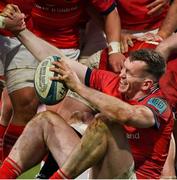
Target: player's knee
42,117
29,105
24,98
38,121
24,108
36,124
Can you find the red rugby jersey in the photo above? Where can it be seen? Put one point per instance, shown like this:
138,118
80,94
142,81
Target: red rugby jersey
149,146
133,15
57,21
167,81
104,64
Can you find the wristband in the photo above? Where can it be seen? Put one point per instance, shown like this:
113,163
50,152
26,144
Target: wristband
115,47
2,23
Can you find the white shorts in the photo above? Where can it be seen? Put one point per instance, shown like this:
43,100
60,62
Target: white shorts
13,55
92,61
19,78
79,127
18,65
73,54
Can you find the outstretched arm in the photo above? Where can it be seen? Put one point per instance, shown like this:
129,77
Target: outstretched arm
37,46
42,49
14,21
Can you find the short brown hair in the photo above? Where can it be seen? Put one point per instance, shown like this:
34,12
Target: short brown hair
156,64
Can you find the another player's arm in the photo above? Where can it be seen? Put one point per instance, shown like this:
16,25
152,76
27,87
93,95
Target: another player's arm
109,19
114,108
37,46
156,6
110,22
113,35
168,46
42,49
169,24
112,27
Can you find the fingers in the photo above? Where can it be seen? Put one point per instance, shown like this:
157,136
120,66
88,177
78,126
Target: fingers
126,41
155,10
146,37
61,68
156,6
61,64
16,8
7,13
125,44
116,62
150,37
10,10
58,78
13,8
153,4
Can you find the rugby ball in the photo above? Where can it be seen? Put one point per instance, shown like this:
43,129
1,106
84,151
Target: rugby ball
49,92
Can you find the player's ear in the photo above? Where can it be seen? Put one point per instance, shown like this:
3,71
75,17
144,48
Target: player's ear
148,83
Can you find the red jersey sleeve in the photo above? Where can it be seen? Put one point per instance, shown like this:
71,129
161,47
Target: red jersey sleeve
104,81
103,6
160,109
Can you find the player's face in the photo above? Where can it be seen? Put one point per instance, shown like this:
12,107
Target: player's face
131,78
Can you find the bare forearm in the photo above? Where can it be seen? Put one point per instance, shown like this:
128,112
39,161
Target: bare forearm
112,26
169,25
117,110
108,105
168,46
42,49
37,46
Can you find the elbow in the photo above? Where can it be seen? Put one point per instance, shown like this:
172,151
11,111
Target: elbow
123,116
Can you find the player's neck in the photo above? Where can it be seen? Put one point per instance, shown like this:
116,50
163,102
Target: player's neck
137,96
151,90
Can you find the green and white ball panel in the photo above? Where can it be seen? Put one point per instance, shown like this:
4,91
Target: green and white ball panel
49,92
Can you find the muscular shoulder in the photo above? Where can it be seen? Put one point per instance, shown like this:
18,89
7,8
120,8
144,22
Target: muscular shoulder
103,81
159,105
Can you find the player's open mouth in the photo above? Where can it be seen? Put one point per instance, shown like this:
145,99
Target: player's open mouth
122,83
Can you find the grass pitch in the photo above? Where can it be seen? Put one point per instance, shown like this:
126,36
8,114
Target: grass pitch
31,173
